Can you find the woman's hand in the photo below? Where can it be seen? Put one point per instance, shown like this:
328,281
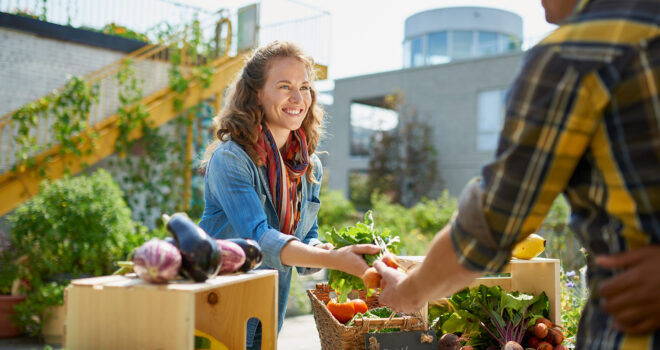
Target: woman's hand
631,297
349,258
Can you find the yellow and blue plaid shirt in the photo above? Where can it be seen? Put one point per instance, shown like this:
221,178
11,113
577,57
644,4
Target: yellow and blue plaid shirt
582,118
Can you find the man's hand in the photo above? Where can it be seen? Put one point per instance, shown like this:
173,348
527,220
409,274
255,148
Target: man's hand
396,293
632,296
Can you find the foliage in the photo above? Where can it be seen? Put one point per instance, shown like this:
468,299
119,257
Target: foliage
417,225
360,233
8,266
360,190
70,107
574,295
27,13
561,242
73,227
488,316
298,302
121,31
335,211
402,162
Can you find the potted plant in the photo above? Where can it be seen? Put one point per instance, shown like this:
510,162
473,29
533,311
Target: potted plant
75,227
9,294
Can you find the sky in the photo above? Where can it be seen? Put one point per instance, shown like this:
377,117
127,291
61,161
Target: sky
366,36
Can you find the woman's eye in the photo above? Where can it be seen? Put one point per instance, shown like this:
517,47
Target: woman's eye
306,88
285,87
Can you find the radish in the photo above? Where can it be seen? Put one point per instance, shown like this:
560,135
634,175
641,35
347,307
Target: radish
156,261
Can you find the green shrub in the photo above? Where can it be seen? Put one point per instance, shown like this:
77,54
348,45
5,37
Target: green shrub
336,211
561,242
77,226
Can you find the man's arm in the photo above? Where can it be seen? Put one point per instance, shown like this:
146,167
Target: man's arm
441,260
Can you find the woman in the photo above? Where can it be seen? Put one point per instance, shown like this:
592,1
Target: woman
262,177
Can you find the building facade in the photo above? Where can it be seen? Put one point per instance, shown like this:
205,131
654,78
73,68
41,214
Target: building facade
460,95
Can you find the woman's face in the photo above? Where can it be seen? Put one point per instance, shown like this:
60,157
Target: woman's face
285,97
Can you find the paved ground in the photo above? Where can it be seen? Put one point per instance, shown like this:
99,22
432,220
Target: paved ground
298,333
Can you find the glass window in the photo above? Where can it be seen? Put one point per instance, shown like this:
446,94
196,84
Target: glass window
366,120
490,116
487,43
417,52
406,54
461,44
437,51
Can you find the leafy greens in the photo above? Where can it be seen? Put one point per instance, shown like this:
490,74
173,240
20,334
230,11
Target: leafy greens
488,315
360,233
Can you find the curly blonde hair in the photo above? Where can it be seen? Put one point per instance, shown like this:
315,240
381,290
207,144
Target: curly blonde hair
240,118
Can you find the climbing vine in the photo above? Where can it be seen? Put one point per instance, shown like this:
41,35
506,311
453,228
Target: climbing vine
150,170
70,109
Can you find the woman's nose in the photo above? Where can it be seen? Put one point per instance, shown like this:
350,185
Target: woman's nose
295,96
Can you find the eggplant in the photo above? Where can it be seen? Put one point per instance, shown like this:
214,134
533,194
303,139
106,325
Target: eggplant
253,255
201,256
233,256
156,261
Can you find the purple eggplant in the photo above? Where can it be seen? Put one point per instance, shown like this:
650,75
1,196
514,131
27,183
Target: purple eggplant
156,261
201,256
233,256
253,255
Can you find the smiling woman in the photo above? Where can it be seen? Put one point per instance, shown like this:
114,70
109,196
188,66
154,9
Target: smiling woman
263,179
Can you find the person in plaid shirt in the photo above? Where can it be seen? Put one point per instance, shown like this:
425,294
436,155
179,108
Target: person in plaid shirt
582,118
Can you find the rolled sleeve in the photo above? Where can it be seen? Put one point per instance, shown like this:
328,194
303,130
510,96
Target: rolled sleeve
272,241
471,235
230,182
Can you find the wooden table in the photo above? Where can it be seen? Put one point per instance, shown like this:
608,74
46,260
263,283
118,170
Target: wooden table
124,312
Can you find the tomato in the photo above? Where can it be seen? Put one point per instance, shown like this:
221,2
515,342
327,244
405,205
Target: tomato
359,305
391,260
371,278
343,312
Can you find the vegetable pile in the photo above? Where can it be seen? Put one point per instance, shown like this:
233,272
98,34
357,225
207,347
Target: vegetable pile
191,253
361,233
491,318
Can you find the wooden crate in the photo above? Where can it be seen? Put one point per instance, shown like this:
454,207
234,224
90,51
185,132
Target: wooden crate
124,312
526,276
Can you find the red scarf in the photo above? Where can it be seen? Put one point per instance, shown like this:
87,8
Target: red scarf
284,170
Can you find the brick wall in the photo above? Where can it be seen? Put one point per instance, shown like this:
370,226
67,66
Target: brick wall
32,66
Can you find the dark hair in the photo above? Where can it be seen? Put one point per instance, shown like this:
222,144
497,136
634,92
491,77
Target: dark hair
240,118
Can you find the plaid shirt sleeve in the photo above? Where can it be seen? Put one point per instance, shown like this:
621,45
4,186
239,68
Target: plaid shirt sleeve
552,110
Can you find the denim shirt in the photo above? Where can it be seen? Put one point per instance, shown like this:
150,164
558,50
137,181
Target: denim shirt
238,204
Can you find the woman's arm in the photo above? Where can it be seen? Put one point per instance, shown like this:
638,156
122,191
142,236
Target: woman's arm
348,259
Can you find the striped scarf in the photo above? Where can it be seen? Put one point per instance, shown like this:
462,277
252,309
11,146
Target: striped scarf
284,172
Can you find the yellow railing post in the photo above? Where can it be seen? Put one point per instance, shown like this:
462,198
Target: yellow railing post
188,168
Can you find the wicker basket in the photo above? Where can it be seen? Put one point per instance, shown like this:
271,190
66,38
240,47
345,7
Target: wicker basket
335,336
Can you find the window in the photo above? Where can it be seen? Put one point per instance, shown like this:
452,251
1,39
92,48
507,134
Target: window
407,62
417,52
437,48
461,44
487,43
366,120
490,117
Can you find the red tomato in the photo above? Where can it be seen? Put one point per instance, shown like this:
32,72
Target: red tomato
343,312
359,305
